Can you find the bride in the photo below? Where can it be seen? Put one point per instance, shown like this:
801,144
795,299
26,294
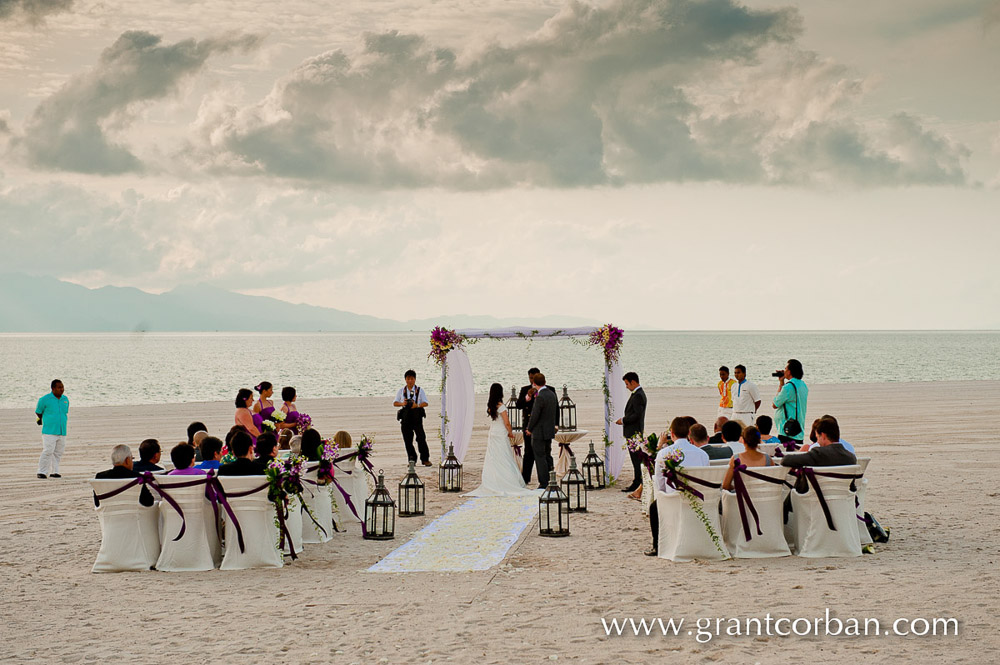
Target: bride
501,477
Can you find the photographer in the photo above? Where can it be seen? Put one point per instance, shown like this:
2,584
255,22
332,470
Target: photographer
790,402
412,400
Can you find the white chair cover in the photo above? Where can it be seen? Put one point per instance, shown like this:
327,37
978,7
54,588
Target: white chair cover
682,534
767,499
356,486
812,536
317,498
256,517
862,485
130,537
294,525
719,462
199,547
648,489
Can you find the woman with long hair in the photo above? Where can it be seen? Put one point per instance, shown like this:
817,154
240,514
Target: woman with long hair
501,477
244,400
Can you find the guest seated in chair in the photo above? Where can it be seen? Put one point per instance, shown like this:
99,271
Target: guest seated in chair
312,445
731,433
149,456
828,451
698,435
121,460
194,430
693,456
241,446
717,430
812,438
266,448
211,453
182,456
750,440
764,425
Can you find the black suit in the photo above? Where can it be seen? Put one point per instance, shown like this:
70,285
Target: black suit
544,418
634,422
145,496
832,455
718,452
528,460
242,466
142,466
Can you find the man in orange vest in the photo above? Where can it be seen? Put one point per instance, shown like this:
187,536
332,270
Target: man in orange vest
725,386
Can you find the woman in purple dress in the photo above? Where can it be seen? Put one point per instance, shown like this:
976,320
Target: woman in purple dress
289,408
264,407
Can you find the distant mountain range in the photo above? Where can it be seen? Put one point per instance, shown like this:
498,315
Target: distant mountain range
46,304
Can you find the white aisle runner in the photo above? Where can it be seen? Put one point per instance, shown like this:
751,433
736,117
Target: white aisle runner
473,536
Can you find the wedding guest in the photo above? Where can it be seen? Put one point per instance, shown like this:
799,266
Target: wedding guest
192,430
693,456
121,461
725,387
343,441
813,441
828,452
266,448
750,457
525,401
633,422
746,397
717,430
52,413
731,433
244,418
211,453
295,446
412,400
241,446
312,444
791,401
698,435
149,456
182,456
764,425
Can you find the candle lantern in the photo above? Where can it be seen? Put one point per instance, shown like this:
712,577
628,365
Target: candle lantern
514,411
450,472
553,510
380,513
411,493
593,470
567,412
574,486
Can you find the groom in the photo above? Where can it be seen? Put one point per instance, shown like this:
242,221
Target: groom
542,427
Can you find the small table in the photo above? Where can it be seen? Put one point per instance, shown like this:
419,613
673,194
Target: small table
564,439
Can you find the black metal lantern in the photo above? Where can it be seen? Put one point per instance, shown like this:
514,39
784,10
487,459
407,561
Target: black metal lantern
450,472
593,470
553,510
411,493
514,411
575,488
567,412
380,513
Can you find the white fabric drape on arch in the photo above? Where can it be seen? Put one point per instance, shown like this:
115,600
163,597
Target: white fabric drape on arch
614,455
459,403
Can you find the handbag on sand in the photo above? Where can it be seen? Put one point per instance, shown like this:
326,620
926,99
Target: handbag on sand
875,530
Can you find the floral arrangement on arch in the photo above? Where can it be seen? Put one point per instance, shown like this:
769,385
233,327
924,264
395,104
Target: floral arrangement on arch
444,340
674,472
609,338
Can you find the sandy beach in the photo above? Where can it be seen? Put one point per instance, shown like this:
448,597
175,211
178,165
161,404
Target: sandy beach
931,480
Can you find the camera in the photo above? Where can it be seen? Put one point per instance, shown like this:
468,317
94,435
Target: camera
780,373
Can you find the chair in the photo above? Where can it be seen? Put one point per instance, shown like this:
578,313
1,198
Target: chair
352,479
719,462
812,535
862,485
767,499
682,534
317,498
256,519
199,547
130,536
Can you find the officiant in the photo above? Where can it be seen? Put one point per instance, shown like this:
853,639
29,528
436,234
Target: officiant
411,401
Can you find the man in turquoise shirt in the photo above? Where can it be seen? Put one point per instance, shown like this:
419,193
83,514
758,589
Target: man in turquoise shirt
52,413
790,402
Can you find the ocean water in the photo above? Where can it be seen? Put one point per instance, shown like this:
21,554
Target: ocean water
148,368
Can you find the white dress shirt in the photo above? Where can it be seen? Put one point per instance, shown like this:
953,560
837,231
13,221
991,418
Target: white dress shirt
693,456
417,394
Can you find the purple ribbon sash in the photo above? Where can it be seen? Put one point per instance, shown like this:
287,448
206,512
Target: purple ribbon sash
674,480
743,495
789,447
147,478
810,475
565,446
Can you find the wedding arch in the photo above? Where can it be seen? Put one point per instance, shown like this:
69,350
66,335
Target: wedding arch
458,390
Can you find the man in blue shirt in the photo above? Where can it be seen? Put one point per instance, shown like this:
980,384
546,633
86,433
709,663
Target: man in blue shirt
52,413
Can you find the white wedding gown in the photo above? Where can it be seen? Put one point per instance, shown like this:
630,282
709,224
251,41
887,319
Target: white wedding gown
501,477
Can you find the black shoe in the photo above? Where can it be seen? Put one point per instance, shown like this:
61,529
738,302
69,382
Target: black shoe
55,475
542,487
651,552
41,475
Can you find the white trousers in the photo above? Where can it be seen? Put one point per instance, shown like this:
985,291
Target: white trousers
725,411
746,418
53,446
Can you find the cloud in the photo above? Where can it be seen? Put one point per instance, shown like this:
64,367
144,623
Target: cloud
33,11
73,129
635,91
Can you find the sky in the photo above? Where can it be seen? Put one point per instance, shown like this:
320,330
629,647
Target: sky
668,164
